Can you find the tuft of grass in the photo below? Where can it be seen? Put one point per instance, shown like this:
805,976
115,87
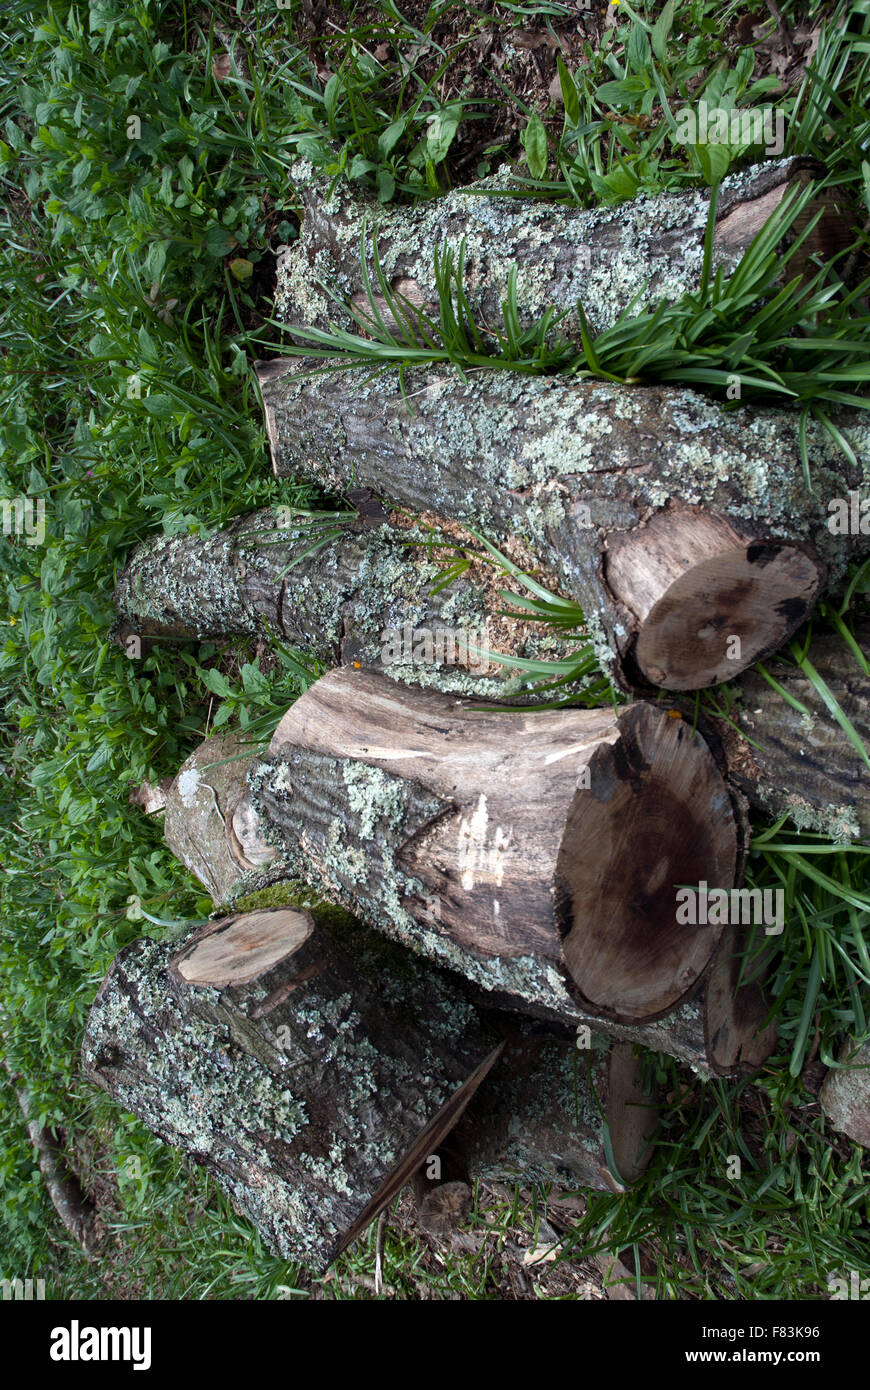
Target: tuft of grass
744,337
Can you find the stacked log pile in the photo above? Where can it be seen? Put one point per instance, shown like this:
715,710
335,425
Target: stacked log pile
504,883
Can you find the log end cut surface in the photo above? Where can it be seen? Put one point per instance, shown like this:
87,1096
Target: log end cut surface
243,948
655,817
725,613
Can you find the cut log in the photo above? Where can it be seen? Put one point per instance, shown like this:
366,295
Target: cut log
785,761
687,534
313,1114
341,595
241,948
845,1093
798,761
538,853
200,836
648,249
201,833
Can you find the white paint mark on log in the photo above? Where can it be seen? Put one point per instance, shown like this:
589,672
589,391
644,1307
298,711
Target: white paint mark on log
188,786
474,855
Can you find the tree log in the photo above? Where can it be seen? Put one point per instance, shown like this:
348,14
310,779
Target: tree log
312,1092
199,831
686,533
343,596
650,248
538,853
786,762
797,762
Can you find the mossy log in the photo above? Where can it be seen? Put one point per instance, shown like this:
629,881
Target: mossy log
798,761
539,853
648,249
686,533
845,1093
351,592
311,1091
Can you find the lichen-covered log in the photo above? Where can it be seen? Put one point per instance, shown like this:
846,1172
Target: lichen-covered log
539,853
342,595
201,836
725,1028
209,822
686,533
845,1093
647,249
312,1092
797,760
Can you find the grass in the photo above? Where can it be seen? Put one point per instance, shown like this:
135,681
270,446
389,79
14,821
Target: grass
132,277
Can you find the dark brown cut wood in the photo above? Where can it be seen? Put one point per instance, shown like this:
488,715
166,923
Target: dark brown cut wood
538,853
312,1115
686,533
785,761
650,248
845,1093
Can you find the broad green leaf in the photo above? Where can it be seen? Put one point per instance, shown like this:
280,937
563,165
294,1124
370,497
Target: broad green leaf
535,146
442,129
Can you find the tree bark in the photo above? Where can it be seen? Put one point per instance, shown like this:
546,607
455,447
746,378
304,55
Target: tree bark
799,762
376,584
650,248
538,853
342,595
845,1093
312,1092
686,533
